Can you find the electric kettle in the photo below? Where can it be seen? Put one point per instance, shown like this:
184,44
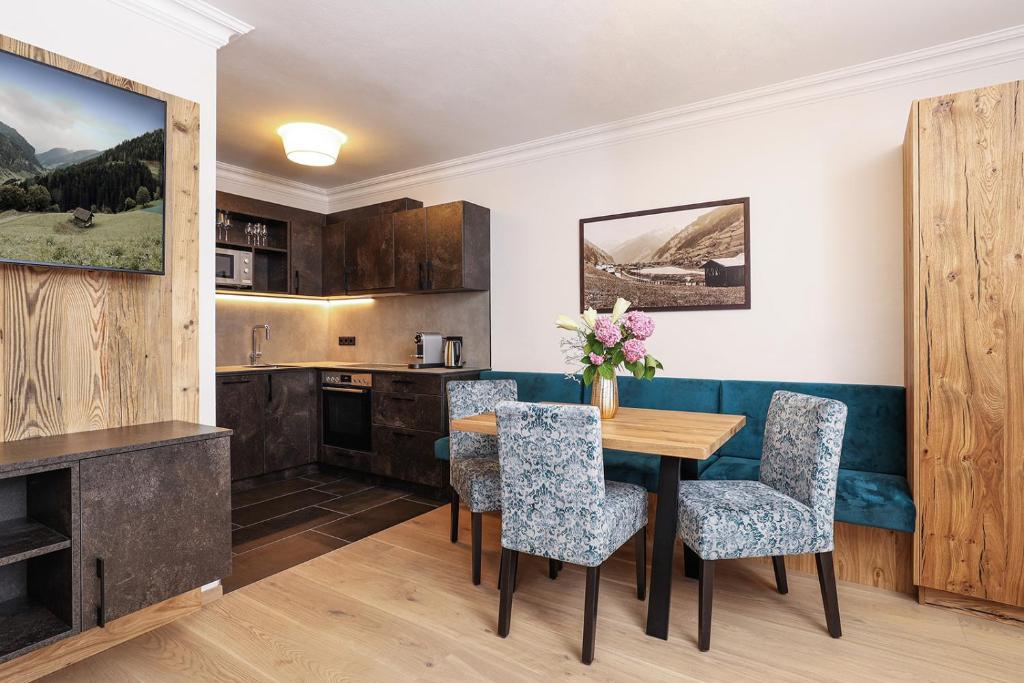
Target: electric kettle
453,352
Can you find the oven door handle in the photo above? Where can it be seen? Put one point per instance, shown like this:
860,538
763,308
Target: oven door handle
343,390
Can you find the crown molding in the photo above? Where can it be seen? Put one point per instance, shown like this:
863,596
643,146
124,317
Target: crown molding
194,18
270,188
970,53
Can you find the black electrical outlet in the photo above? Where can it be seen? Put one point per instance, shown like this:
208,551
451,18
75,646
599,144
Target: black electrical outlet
346,341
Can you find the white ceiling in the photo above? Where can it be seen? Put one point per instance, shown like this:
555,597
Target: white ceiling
413,82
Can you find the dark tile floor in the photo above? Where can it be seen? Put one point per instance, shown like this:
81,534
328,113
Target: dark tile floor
280,525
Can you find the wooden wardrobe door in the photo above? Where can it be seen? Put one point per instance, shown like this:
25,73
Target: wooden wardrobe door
969,389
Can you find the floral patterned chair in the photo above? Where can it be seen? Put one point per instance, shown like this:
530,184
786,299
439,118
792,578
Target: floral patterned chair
557,504
475,476
788,512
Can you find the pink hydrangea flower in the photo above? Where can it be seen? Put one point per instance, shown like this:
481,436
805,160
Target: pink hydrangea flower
640,324
634,350
607,332
596,359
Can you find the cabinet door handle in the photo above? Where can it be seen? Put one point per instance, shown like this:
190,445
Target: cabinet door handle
430,274
270,387
402,398
101,609
296,282
236,381
423,276
406,435
401,381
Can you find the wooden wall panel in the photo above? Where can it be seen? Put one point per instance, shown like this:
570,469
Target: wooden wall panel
85,350
866,555
968,344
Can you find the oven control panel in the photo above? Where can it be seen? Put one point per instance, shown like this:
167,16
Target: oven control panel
358,379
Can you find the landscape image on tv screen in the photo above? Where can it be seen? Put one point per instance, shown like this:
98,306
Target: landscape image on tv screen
81,171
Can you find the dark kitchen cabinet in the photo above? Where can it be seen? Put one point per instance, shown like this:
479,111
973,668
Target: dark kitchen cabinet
159,520
241,406
334,259
273,415
405,454
370,254
443,248
290,421
306,252
458,246
410,228
410,411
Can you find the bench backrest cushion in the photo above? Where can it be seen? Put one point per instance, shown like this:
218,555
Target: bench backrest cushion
535,387
667,393
875,438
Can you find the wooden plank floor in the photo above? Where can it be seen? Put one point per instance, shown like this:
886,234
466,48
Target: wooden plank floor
399,606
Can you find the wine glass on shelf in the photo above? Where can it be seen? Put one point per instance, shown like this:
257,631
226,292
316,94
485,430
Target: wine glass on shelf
263,233
248,233
227,227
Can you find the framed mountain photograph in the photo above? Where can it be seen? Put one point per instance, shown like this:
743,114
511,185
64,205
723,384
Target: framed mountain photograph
679,258
82,170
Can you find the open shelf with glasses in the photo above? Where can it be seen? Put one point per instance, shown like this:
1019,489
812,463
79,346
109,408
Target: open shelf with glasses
268,241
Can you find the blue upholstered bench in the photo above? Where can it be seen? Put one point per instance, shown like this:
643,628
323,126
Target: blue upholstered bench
872,489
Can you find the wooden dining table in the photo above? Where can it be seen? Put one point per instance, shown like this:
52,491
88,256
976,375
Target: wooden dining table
680,439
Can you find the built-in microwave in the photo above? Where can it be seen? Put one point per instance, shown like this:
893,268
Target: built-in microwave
234,268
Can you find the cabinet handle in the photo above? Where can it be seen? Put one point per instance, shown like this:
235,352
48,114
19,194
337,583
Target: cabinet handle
406,435
401,381
423,276
430,274
402,398
101,609
236,381
345,279
270,387
296,282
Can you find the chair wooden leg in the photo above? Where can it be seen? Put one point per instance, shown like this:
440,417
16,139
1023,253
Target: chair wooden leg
779,564
478,525
706,587
553,569
641,563
501,570
515,570
590,613
829,596
507,581
455,517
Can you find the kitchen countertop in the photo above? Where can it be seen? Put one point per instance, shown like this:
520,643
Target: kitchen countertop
346,365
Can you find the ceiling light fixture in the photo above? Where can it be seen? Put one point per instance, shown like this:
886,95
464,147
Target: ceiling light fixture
311,144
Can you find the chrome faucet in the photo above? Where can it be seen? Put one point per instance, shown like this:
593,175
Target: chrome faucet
256,353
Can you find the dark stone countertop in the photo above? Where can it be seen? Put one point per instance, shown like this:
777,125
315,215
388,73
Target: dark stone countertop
50,450
345,365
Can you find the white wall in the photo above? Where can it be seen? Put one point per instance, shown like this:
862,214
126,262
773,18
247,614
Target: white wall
114,39
824,182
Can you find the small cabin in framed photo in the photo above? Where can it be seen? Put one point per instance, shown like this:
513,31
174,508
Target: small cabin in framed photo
678,258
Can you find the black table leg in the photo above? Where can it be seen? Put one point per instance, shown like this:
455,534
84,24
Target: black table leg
658,603
691,562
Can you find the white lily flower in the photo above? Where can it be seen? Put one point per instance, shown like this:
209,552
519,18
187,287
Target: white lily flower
590,316
620,307
567,323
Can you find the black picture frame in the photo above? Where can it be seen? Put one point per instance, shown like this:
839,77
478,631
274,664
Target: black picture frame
745,304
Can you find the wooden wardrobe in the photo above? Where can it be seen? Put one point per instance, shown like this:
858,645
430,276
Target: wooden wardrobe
964,337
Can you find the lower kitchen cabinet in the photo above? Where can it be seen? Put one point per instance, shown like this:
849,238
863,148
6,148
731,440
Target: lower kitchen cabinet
241,407
290,418
155,523
273,415
407,455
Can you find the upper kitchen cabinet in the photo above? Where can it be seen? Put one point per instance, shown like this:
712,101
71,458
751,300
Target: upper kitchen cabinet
443,248
458,247
370,254
359,250
287,259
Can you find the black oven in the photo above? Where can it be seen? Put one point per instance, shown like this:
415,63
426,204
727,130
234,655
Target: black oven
346,406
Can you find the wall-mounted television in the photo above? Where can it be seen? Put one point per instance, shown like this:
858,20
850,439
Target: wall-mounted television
82,171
